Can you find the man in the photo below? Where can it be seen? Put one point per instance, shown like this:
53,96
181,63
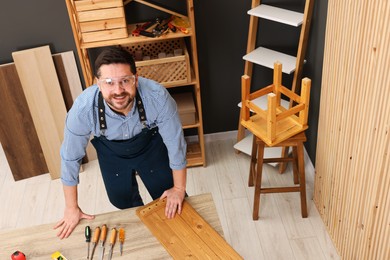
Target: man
136,129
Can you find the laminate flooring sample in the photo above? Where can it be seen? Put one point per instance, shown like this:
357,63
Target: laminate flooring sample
17,131
41,87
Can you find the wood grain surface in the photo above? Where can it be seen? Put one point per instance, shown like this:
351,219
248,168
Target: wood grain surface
187,235
71,88
40,84
40,242
17,132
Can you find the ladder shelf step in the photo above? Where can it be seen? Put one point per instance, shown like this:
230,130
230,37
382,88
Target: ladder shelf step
277,14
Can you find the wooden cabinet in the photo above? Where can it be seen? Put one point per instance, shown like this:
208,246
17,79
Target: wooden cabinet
99,23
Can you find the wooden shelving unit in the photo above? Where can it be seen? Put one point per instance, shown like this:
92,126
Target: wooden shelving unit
195,151
258,55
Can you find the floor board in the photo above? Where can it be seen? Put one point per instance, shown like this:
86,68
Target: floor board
280,233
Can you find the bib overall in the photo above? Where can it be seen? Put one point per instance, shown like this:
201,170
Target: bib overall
119,160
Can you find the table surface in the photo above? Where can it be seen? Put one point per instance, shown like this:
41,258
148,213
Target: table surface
40,242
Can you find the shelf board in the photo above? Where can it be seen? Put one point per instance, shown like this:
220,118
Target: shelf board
266,57
277,14
194,155
135,39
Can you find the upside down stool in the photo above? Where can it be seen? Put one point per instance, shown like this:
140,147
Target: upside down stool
276,127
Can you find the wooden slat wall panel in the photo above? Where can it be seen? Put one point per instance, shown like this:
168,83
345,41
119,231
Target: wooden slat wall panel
40,84
352,165
17,132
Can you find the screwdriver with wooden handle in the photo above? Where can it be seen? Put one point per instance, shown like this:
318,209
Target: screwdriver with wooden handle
121,239
95,239
112,242
103,235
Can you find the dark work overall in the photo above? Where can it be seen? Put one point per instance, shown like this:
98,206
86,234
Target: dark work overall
145,154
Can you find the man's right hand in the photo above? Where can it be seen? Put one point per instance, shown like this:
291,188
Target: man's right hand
68,223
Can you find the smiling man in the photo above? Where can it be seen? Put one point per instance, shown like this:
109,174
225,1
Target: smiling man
136,129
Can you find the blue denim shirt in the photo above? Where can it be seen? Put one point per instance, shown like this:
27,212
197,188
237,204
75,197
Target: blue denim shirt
82,122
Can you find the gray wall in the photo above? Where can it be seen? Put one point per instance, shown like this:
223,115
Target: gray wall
222,31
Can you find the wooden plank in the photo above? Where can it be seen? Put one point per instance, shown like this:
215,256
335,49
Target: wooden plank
100,14
17,132
71,87
187,234
103,25
105,35
85,5
40,84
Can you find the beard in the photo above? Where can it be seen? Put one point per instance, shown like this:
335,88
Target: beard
120,103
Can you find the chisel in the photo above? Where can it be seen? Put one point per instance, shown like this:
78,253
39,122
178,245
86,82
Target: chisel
121,239
112,242
88,238
95,239
103,235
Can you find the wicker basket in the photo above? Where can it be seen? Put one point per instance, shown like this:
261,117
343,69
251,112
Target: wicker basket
168,71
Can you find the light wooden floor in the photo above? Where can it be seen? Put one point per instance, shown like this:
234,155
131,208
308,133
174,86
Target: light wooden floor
281,232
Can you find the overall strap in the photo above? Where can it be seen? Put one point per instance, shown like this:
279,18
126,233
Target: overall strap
102,115
141,109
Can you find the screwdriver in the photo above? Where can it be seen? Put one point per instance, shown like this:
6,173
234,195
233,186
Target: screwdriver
112,242
95,239
103,235
88,238
121,239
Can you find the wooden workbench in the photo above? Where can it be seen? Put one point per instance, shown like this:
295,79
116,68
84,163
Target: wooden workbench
40,242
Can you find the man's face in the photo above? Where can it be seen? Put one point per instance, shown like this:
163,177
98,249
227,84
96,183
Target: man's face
118,86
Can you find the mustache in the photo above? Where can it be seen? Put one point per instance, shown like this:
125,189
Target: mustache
121,95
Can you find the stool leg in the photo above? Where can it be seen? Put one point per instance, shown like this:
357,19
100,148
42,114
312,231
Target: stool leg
283,165
258,177
295,165
302,180
252,171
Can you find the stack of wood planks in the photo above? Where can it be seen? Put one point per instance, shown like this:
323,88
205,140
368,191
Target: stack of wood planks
37,90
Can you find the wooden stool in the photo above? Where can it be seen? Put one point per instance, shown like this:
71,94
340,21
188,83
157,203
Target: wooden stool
255,171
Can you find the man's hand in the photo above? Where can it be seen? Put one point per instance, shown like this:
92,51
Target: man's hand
175,197
67,224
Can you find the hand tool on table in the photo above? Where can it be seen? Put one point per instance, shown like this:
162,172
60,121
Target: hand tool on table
88,238
112,242
103,235
121,239
95,239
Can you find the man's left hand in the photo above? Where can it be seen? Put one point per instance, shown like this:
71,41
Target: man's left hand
175,197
